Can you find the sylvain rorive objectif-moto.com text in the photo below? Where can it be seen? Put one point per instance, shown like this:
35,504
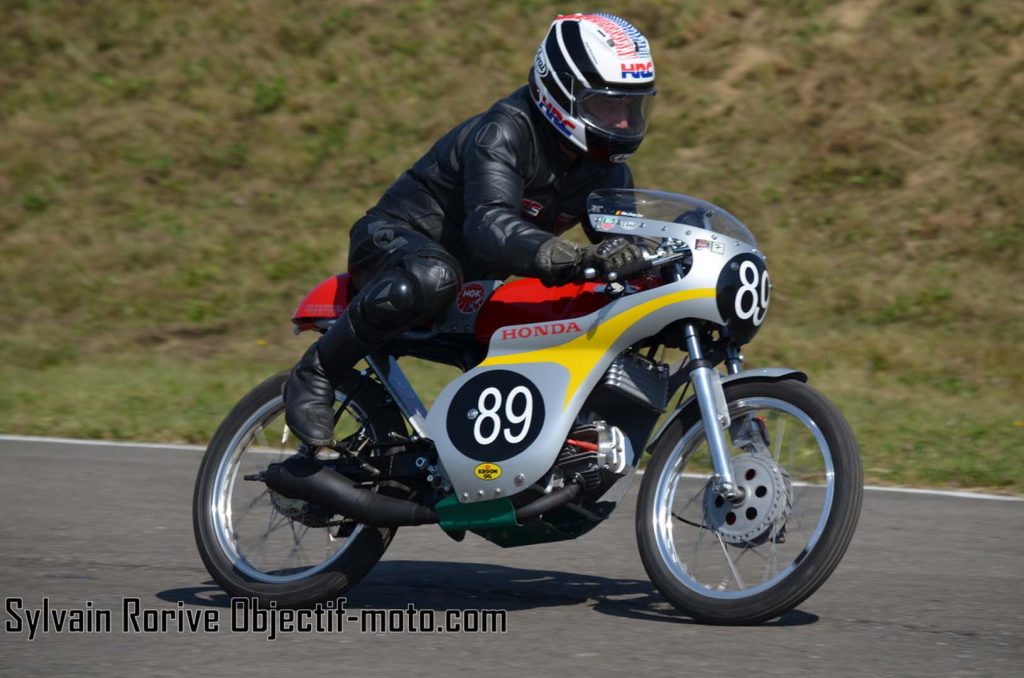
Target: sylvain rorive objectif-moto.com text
243,615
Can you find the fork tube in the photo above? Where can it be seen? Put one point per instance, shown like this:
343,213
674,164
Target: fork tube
708,387
734,363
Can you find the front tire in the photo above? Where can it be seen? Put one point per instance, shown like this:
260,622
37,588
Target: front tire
257,544
798,462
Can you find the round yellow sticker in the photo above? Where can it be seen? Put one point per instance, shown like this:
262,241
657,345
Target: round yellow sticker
487,471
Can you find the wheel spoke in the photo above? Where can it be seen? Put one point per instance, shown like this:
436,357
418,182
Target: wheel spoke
272,527
249,507
689,502
696,548
772,560
297,539
777,437
732,565
297,536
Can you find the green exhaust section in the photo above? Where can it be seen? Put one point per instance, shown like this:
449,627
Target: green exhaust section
534,532
477,515
495,521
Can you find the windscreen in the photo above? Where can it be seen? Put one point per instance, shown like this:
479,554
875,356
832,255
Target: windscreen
668,207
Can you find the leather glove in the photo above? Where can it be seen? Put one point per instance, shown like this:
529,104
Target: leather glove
616,256
557,262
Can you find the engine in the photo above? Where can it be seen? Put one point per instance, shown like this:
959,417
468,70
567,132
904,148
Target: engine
594,455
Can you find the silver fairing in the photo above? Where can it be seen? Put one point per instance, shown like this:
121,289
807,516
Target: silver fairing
563,364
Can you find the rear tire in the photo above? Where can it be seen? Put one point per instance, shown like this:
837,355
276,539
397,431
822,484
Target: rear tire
228,510
707,566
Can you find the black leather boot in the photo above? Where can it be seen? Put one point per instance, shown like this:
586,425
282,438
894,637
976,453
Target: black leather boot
309,391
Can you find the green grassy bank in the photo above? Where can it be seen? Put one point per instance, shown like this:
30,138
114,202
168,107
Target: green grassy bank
175,175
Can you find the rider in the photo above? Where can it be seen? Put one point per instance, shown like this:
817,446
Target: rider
489,200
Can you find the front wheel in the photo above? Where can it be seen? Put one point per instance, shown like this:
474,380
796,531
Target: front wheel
259,544
797,461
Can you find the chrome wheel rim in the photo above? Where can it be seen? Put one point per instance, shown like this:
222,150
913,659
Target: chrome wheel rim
684,523
250,530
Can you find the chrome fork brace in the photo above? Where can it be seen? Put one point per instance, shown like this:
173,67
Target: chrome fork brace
714,412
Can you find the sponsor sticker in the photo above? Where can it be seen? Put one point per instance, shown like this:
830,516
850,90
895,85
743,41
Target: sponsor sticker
629,225
710,246
624,213
487,471
471,298
607,224
530,207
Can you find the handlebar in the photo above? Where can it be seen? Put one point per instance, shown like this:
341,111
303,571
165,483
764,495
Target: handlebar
659,258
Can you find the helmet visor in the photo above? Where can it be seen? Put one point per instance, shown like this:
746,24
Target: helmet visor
619,114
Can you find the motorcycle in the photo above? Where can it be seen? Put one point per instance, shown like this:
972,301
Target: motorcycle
748,502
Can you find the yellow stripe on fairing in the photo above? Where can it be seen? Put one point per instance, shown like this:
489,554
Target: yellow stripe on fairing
581,354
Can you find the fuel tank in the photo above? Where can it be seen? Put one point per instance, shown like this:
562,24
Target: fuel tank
520,302
527,301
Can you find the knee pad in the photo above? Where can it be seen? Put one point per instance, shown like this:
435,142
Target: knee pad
420,288
388,304
439,276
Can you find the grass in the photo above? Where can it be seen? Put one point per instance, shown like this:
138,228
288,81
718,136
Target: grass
175,176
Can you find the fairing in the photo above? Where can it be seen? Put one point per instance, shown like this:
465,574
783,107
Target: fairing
325,302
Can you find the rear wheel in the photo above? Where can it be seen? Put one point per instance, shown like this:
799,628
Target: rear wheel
797,461
257,543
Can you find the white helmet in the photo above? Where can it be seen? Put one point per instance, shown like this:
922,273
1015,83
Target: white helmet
593,78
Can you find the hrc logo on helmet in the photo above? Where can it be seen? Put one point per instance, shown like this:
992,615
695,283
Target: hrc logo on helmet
639,69
561,123
540,63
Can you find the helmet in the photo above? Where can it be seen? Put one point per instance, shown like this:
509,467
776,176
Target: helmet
593,78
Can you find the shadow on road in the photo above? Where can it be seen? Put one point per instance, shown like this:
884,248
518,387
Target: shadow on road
394,584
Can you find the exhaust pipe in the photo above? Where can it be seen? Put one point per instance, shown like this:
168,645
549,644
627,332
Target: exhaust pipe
562,495
304,479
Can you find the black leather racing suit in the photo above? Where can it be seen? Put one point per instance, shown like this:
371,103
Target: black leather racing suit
477,205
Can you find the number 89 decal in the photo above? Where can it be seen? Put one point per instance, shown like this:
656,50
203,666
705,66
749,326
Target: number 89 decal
744,291
495,415
752,299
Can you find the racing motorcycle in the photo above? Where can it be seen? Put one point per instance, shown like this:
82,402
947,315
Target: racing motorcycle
747,504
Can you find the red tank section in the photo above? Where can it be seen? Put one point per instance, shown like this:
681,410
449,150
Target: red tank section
326,302
525,301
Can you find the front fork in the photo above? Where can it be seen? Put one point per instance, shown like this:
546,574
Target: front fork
714,411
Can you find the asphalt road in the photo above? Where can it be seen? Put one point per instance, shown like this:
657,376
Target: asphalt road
931,586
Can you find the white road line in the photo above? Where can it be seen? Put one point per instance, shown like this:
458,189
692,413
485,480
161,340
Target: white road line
199,448
943,493
100,443
908,490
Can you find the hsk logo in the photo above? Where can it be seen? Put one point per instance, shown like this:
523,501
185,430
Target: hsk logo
638,70
557,117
